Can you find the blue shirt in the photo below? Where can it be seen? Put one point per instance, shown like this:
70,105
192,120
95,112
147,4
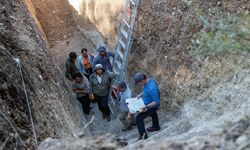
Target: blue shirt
151,93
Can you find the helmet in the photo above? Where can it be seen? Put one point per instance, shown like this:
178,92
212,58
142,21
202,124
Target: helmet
98,66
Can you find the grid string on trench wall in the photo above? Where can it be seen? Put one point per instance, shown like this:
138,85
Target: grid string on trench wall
26,98
18,62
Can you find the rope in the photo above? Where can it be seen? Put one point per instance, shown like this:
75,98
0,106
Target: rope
26,97
86,125
13,129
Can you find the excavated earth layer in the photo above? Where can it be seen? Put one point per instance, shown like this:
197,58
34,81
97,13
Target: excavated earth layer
30,78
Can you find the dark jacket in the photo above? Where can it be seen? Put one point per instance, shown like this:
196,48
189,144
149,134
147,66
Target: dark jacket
103,88
71,69
105,61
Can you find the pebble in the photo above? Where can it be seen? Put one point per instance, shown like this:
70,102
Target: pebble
241,140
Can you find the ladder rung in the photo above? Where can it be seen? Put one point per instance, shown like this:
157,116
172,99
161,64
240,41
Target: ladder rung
111,109
115,71
122,43
124,33
126,23
133,2
120,54
118,64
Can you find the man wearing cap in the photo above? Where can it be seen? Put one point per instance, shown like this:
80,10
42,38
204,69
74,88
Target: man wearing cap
99,89
125,93
104,58
85,63
151,99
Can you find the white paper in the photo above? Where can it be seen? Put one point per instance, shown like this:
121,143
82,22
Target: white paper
135,105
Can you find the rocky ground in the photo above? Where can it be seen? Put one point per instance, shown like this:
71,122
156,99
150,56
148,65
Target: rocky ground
236,136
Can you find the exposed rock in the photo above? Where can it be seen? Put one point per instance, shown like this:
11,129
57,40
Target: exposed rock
105,142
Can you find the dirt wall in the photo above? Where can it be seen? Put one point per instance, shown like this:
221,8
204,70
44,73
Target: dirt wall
164,32
51,103
56,19
102,16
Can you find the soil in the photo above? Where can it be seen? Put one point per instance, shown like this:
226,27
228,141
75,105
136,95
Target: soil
45,86
201,99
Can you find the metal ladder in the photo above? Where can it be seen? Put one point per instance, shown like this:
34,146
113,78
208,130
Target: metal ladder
124,45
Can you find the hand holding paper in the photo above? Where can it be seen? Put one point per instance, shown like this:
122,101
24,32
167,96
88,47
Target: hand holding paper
135,104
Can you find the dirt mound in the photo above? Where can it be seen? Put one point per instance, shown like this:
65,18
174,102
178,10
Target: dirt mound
235,136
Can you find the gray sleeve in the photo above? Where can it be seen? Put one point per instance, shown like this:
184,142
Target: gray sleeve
74,86
86,88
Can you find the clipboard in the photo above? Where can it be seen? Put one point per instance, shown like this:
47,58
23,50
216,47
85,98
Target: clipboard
135,105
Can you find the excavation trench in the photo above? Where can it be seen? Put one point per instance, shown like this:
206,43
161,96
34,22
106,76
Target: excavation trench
71,25
198,96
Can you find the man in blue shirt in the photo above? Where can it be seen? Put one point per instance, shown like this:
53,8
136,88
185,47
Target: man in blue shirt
151,99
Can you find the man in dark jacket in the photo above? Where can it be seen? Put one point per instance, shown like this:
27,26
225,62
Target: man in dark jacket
99,89
71,68
104,58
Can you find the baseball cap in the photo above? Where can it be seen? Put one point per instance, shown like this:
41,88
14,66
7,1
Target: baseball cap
122,85
139,77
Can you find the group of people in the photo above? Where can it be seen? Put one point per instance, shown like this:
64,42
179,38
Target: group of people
92,75
97,70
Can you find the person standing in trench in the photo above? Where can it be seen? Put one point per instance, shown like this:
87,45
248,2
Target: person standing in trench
71,69
99,89
85,63
151,99
80,87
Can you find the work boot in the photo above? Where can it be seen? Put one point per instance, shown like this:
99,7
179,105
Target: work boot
127,128
104,115
152,129
144,137
108,118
